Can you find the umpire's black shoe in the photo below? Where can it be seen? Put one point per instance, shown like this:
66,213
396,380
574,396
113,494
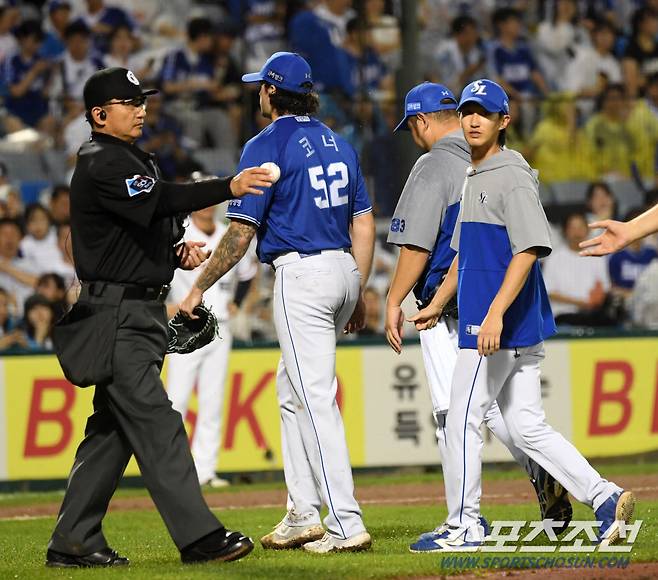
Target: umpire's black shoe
222,545
101,559
553,499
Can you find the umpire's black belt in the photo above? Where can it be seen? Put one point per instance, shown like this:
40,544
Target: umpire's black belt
125,291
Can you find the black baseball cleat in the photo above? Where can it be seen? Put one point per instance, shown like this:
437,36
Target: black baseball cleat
554,503
101,559
222,545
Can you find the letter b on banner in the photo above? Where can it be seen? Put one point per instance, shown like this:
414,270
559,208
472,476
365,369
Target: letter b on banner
59,415
617,398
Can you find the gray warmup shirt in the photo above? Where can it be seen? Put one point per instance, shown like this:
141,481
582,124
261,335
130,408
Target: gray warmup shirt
428,207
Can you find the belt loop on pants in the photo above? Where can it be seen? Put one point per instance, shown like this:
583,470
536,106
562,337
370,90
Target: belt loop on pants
290,257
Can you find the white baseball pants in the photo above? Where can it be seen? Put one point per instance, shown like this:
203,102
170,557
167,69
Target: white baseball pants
440,347
206,368
511,377
314,297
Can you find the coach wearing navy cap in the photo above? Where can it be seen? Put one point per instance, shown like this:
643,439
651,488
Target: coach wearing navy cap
126,231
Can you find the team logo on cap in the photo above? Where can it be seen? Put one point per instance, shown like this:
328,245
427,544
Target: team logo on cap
130,75
274,75
479,88
139,184
415,106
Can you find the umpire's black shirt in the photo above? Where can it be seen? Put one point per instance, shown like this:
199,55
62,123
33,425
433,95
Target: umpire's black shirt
123,223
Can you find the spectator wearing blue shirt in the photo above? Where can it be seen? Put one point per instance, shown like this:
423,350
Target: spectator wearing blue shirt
189,85
102,20
25,74
59,16
367,72
264,31
626,266
513,65
310,36
162,134
73,68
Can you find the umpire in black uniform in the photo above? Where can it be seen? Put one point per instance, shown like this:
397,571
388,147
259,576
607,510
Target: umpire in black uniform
126,226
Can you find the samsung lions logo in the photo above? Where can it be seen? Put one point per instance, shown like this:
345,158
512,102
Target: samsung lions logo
130,75
415,106
139,184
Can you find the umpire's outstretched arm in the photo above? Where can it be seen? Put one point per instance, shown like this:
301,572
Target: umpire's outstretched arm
177,198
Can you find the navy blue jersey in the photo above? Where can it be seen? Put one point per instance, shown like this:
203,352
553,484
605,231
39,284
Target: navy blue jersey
320,189
33,105
178,67
515,66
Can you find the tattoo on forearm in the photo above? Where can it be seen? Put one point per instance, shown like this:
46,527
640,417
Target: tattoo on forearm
227,254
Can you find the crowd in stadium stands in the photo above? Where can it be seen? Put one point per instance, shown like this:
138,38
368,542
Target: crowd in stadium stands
582,76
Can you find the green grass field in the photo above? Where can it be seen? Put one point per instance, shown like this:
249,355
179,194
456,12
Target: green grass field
142,537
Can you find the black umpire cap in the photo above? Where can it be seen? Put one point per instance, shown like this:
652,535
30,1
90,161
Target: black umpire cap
112,83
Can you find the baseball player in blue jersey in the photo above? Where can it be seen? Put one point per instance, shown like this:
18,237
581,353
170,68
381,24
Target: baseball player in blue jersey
315,227
422,226
504,317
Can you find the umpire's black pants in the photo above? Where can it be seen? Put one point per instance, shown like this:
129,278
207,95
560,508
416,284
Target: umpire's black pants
132,414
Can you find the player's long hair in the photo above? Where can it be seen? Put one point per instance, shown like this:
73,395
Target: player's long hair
289,103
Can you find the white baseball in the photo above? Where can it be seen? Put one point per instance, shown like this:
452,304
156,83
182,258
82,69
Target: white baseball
274,170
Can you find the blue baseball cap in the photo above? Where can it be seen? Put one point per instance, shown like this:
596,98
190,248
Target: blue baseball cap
486,93
54,5
286,70
426,98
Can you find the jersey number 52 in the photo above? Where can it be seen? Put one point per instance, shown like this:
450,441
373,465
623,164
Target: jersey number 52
331,197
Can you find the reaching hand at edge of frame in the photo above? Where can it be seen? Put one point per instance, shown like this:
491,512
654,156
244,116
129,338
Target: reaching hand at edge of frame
393,327
190,302
617,235
249,180
358,319
489,335
428,317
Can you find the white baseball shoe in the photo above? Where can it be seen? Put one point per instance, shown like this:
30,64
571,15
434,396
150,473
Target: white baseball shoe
291,532
215,482
329,543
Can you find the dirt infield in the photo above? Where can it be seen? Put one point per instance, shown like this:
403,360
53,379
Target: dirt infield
498,492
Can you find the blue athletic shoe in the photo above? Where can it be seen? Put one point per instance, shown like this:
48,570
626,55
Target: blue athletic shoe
619,507
436,532
427,542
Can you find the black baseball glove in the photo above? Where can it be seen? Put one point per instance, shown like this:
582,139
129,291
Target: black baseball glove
187,334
